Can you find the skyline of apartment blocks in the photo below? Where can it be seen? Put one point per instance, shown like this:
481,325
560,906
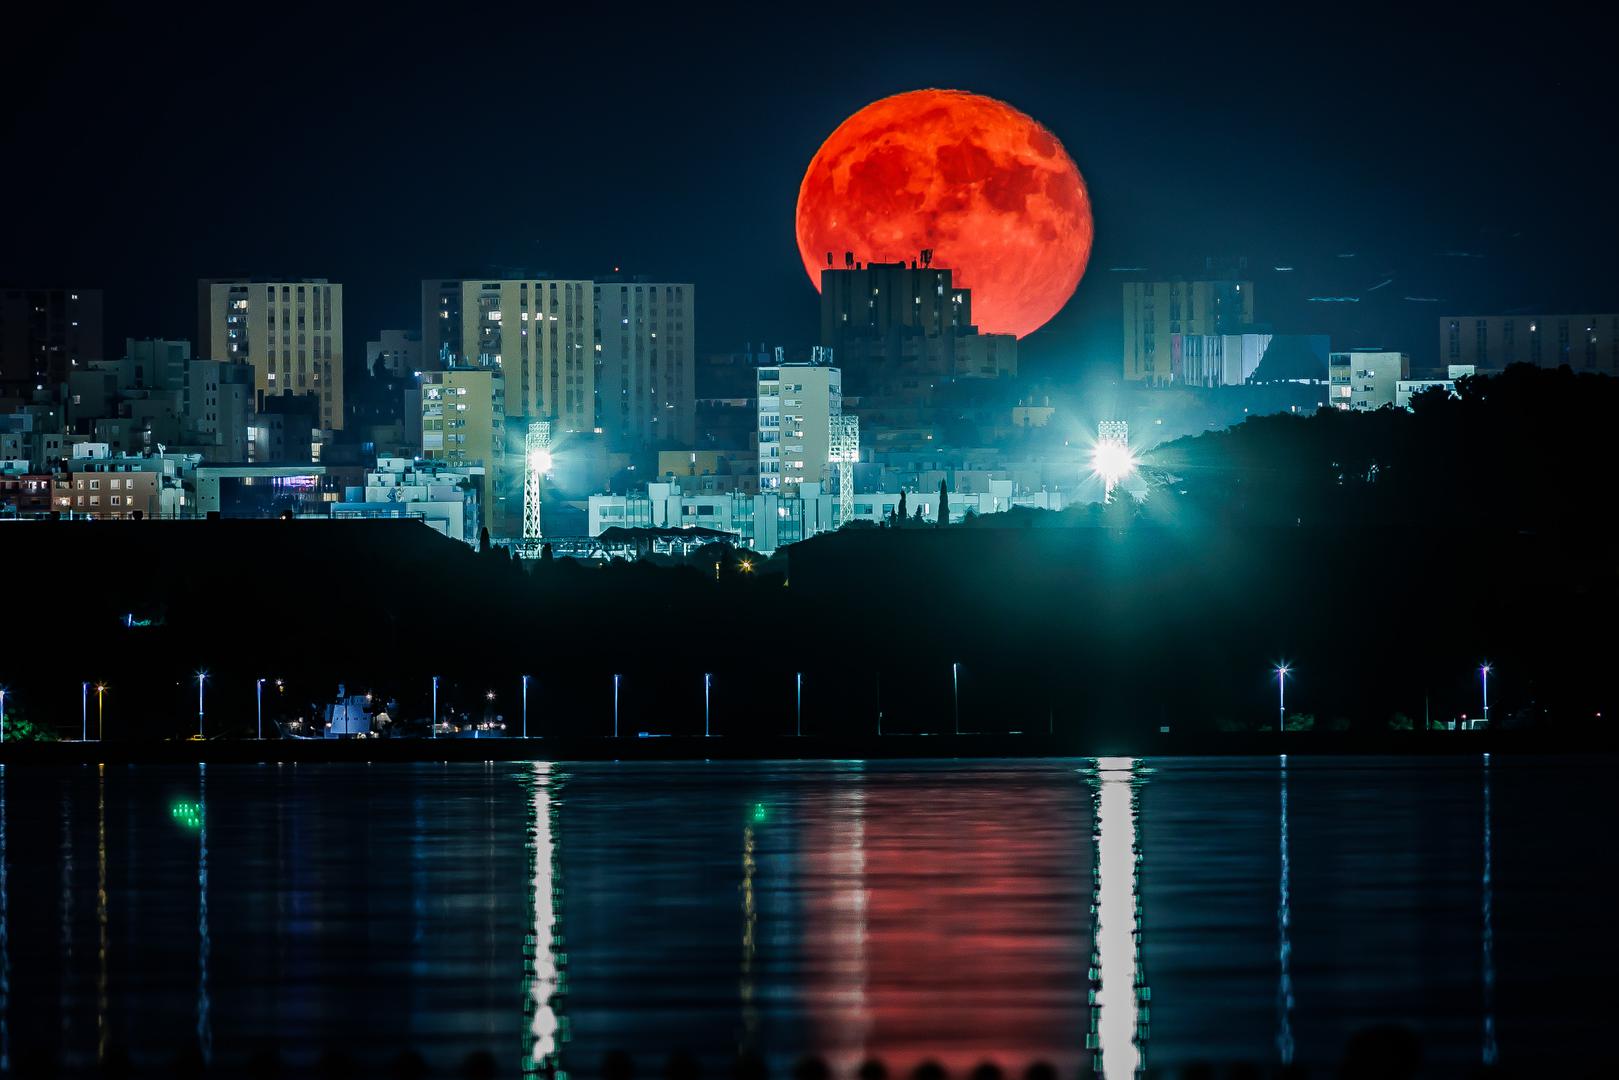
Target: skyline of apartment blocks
1155,311
1362,380
797,402
44,335
1491,342
291,332
539,332
646,362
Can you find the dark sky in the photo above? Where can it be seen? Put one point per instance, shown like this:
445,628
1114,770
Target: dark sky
145,146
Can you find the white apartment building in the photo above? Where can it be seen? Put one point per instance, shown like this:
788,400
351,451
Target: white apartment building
797,402
291,332
1365,379
1406,389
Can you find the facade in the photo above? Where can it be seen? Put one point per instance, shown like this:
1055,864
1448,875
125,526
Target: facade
1406,389
291,332
107,489
219,408
396,352
1155,311
254,491
1210,360
285,431
463,418
646,363
796,404
155,364
1491,342
44,335
541,334
1365,379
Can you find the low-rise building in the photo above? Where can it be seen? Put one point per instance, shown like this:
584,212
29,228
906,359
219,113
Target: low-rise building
1365,379
442,495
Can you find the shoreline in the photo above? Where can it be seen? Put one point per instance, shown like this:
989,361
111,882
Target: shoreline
803,748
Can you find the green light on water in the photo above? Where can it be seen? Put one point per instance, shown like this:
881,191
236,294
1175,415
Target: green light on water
760,813
187,814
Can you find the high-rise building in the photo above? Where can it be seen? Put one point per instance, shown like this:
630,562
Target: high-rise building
219,408
44,335
1491,342
291,332
646,363
1155,311
896,330
539,333
463,418
154,364
396,352
1365,379
796,405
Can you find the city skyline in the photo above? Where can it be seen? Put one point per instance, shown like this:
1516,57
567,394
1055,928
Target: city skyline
621,176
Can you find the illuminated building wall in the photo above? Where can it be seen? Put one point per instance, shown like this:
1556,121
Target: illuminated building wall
646,363
1491,342
796,406
1365,379
1155,311
463,419
291,332
540,334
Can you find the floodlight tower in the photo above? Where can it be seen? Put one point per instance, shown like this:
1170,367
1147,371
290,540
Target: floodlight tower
1111,458
844,443
536,463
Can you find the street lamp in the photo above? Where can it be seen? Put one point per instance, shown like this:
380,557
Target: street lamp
258,694
706,680
798,704
525,706
615,706
435,706
955,694
202,677
101,688
2,714
1282,671
84,712
1484,675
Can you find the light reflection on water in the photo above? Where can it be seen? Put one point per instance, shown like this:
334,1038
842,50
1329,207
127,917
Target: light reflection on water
959,911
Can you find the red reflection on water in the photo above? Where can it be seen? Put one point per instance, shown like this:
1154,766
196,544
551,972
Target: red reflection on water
938,927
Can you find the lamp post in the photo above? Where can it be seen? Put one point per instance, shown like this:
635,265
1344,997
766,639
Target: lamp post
435,706
1484,675
2,714
615,706
258,694
101,728
707,678
84,712
525,706
955,695
798,703
1282,671
202,677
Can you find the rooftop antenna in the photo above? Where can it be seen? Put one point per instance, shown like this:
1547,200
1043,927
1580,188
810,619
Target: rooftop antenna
848,260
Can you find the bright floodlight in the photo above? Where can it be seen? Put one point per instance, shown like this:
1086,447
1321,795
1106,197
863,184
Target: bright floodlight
1112,461
540,460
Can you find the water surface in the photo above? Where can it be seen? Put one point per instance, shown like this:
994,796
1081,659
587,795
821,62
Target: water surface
1157,912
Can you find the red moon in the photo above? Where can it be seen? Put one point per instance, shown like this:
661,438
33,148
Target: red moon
992,192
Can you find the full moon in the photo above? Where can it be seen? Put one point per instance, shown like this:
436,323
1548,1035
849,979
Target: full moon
986,187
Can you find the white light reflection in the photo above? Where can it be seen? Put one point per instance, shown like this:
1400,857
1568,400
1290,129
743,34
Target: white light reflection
1491,1051
1284,934
205,1023
5,940
543,974
1116,923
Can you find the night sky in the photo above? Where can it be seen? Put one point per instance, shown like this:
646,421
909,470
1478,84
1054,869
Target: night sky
146,147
